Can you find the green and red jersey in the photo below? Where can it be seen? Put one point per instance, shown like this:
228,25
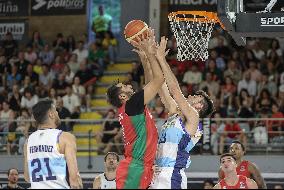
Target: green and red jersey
139,130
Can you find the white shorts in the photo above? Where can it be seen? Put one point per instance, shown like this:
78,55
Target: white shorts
169,178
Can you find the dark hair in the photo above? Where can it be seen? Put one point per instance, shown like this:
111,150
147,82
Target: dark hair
112,96
227,155
242,145
8,172
208,106
210,181
40,110
112,153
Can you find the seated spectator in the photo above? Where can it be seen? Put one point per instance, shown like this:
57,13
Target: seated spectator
192,78
14,77
73,63
12,147
29,99
70,44
275,47
60,85
47,55
233,72
84,73
46,78
110,45
36,40
211,68
217,127
27,84
232,131
78,89
30,54
244,96
15,98
260,130
13,177
58,66
10,45
110,130
81,52
248,84
229,87
69,75
220,62
97,57
212,86
275,127
208,184
38,66
264,100
254,72
265,83
63,113
59,44
33,76
6,113
22,63
53,95
257,51
22,123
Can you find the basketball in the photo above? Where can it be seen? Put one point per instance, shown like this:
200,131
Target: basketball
134,29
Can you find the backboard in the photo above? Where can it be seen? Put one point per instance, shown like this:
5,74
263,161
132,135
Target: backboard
240,22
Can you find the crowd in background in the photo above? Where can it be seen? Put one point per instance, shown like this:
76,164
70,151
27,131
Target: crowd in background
64,70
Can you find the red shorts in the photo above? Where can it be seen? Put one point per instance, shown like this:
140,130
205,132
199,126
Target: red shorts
133,174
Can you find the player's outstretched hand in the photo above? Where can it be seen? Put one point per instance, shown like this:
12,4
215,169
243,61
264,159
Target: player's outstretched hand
146,43
161,48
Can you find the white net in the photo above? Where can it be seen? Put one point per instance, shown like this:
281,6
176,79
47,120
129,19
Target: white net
192,36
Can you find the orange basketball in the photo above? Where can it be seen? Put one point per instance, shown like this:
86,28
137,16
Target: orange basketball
134,29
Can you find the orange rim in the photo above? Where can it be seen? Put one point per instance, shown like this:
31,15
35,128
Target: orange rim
204,16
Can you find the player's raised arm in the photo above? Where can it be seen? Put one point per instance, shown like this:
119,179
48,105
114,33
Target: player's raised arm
69,148
163,92
188,111
148,45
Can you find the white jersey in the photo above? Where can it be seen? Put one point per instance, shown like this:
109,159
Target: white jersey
47,167
173,154
105,183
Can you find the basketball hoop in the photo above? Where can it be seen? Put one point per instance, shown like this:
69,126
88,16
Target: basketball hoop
192,30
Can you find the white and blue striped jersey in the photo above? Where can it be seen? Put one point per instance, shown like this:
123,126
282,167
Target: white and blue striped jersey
47,167
175,144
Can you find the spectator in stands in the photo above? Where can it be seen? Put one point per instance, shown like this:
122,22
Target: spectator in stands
244,96
47,55
264,100
212,86
63,113
101,23
38,66
266,82
233,71
260,130
229,87
46,78
10,45
30,54
208,184
23,125
192,78
36,40
71,102
220,62
26,84
73,63
97,57
70,43
78,89
222,49
217,127
59,44
81,52
280,98
90,92
211,67
275,127
60,85
14,98
248,84
29,99
6,113
14,77
13,177
22,63
106,136
33,76
254,72
232,131
274,47
257,51
110,44
86,105
11,136
84,73
247,58
69,75
58,65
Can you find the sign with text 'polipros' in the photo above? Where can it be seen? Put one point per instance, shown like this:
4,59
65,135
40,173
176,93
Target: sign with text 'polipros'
192,5
58,7
14,8
18,27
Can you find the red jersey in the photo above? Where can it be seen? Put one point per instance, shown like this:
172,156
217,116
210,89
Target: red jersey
242,169
140,136
242,183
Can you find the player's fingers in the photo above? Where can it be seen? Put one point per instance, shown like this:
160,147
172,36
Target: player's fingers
167,52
